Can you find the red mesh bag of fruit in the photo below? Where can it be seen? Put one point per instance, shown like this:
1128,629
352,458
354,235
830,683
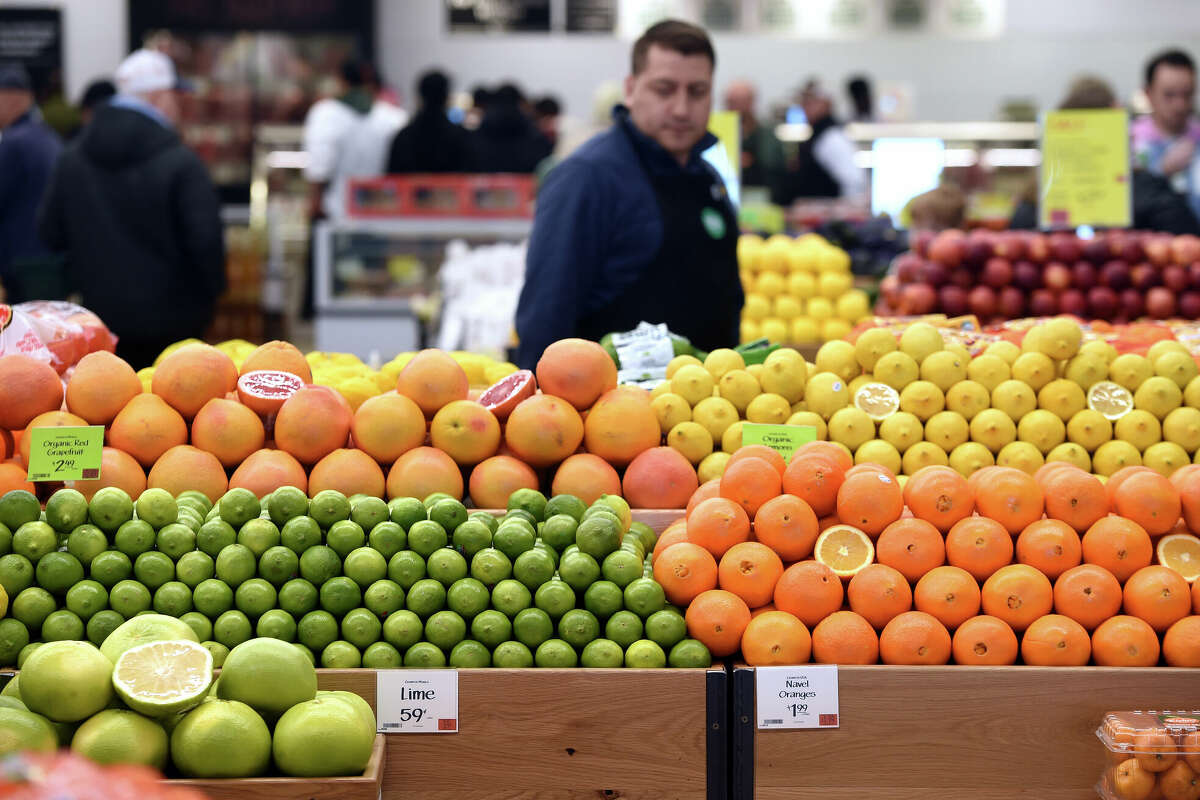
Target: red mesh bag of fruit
65,776
53,331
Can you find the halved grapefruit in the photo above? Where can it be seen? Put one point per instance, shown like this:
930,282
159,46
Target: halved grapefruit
503,396
264,390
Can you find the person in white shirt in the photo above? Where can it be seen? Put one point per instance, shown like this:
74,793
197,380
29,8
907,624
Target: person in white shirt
826,164
362,151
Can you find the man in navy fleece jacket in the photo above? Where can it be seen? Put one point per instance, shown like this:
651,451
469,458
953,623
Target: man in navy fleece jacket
635,225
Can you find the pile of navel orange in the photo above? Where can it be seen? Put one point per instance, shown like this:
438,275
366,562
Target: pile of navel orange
823,560
203,424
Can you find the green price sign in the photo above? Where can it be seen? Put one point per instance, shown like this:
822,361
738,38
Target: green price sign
785,439
65,454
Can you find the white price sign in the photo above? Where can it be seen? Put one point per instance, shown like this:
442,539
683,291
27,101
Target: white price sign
417,701
804,696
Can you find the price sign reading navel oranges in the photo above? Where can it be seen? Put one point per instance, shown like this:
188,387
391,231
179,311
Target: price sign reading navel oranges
804,696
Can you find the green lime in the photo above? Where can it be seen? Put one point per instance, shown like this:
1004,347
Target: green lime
193,522
598,536
286,503
426,597
530,500
183,503
339,595
87,598
644,596
533,568
174,598
157,507
317,630
487,518
445,629
430,501
6,540
66,510
449,513
260,535
13,638
153,569
16,573
212,597
512,655
426,537
110,508
522,516
542,547
490,566
32,606
532,626
361,628
344,537
467,597
403,629
621,567
232,628
102,624
579,570
513,539
383,597
328,507
406,568
555,653
667,628
175,540
567,504
134,538
61,626
645,654
510,597
200,624
624,628
446,565
298,597
602,654
300,533
578,627
603,598
279,565
34,540
18,507
194,567
404,511
86,542
619,506
647,535
369,512
382,655
214,536
599,509
255,597
319,564
219,652
341,655
238,507
491,628
199,498
58,572
388,538
470,654
559,531
471,537
306,652
424,655
108,567
129,598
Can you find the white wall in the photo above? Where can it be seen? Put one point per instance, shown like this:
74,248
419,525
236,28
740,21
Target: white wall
1046,43
95,38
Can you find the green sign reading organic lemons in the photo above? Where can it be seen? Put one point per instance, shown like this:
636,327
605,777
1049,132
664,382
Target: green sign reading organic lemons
65,454
785,439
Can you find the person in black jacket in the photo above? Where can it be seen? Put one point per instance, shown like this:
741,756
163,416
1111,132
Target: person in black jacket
431,142
507,139
137,216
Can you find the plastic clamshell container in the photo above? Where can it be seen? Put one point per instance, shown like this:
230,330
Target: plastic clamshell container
1147,752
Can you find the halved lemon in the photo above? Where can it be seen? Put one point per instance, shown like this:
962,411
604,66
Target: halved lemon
844,549
160,679
878,400
1180,552
1111,399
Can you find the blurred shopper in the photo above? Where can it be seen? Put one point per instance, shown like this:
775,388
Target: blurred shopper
635,225
861,98
28,150
431,142
507,140
825,167
97,93
362,152
546,114
327,126
763,162
137,216
1167,143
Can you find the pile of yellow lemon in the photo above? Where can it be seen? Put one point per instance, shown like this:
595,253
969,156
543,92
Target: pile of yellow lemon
797,290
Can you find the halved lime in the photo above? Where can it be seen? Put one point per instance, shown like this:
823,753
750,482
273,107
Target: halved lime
1111,399
159,679
878,400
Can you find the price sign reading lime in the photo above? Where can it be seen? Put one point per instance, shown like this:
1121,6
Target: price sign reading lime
65,454
417,701
785,439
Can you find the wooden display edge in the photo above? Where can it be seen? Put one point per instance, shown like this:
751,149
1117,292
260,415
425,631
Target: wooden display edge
358,787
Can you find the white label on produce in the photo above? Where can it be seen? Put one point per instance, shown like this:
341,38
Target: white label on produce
804,696
417,701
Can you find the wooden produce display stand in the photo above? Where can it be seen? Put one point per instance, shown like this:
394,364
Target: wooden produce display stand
948,733
578,733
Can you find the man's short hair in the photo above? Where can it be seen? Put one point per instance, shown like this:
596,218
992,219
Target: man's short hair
547,107
675,35
434,89
97,92
1171,58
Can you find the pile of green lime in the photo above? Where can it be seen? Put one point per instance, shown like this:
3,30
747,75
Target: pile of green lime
349,581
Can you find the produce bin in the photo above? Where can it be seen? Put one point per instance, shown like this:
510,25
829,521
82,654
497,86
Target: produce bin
653,733
948,733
